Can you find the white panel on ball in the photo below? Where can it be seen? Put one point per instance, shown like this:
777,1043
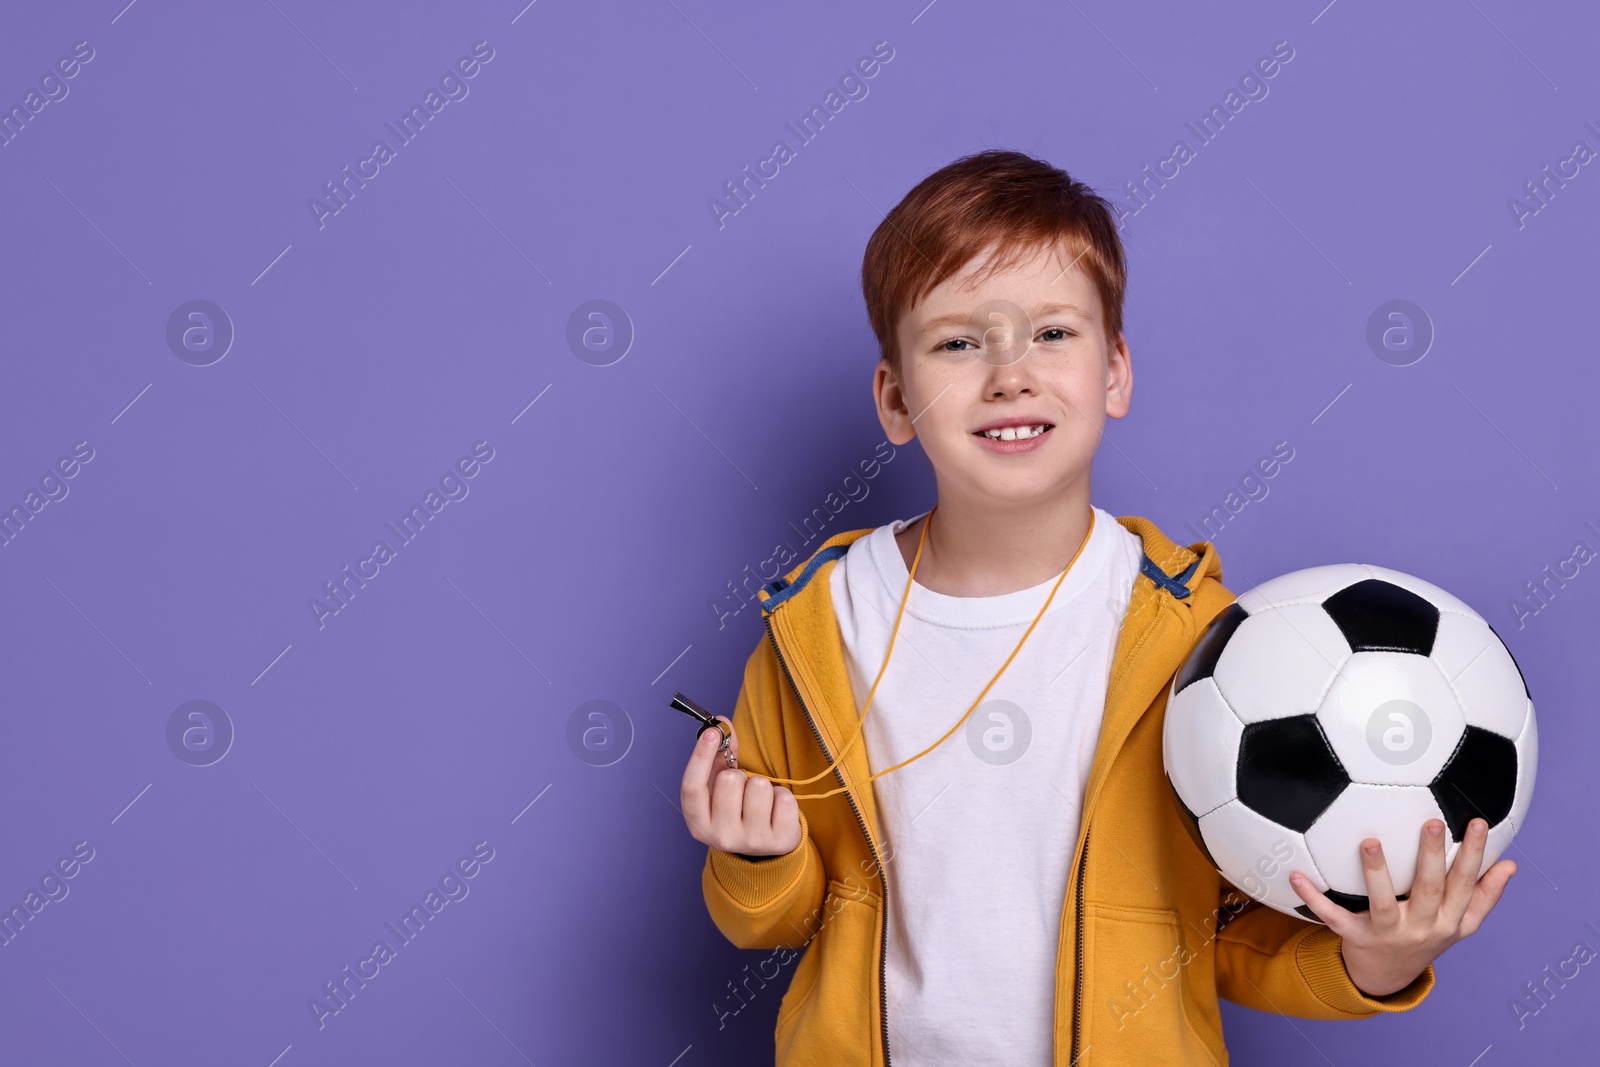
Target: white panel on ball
1392,718
1310,586
1483,674
1527,767
1392,814
1260,854
1281,662
1200,746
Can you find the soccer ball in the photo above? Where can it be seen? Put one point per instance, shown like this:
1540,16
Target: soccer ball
1337,703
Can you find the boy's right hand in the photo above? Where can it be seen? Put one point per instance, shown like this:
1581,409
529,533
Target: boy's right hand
733,811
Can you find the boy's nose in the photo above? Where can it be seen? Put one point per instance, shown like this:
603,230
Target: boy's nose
1011,379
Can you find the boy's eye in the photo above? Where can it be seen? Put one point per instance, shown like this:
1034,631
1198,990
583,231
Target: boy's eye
1050,334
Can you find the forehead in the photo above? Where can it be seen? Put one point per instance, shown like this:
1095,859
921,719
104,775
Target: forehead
1045,280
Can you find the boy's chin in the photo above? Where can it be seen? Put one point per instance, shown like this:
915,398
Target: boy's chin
1019,491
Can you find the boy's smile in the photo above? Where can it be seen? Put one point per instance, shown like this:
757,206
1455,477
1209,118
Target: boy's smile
1014,434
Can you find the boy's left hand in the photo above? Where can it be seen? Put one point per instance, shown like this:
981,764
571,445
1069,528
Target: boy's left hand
1386,947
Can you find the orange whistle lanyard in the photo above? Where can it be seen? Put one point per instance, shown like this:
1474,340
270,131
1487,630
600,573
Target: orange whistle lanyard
904,597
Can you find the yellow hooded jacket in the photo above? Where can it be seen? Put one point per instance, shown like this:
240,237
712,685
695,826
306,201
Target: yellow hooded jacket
1150,934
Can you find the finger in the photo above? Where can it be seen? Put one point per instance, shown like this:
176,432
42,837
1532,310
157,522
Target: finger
1487,895
727,809
783,801
712,737
1332,915
1428,885
756,818
785,818
1382,907
694,795
1458,888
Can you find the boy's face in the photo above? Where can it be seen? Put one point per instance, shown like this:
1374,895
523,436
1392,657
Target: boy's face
1026,344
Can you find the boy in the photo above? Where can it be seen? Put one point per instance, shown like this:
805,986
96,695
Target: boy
974,906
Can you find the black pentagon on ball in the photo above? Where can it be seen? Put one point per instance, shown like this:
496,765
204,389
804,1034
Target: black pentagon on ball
1288,771
1347,901
1479,780
1514,662
1207,650
1192,825
1379,616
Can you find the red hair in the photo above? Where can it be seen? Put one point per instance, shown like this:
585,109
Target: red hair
996,197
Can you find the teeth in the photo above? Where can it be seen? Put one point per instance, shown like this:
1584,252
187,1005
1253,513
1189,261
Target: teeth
1012,433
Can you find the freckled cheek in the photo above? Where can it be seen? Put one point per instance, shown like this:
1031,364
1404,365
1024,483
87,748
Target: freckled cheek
942,404
948,431
1084,393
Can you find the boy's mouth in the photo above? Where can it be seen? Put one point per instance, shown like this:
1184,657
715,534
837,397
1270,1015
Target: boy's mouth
1014,438
1012,433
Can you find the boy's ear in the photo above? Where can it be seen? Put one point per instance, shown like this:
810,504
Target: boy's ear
891,403
1119,379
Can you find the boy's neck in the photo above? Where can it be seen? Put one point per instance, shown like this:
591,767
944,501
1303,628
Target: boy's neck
978,548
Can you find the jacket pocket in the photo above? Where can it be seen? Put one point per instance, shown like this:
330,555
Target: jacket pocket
800,988
825,1016
1140,1004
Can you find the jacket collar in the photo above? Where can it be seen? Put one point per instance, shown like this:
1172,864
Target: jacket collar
1159,628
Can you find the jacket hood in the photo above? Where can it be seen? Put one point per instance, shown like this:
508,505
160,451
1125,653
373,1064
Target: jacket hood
1167,563
1176,568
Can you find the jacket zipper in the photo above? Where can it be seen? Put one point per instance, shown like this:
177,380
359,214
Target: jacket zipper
1077,951
883,879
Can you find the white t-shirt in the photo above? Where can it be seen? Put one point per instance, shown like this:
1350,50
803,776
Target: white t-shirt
980,832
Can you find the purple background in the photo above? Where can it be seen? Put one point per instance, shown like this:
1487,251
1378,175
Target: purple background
371,353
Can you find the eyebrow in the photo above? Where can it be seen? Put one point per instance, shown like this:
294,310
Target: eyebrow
963,318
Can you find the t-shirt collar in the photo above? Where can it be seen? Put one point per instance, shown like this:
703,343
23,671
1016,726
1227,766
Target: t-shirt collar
1007,609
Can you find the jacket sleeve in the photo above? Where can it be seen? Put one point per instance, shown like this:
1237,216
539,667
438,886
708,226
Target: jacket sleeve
763,903
1274,962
